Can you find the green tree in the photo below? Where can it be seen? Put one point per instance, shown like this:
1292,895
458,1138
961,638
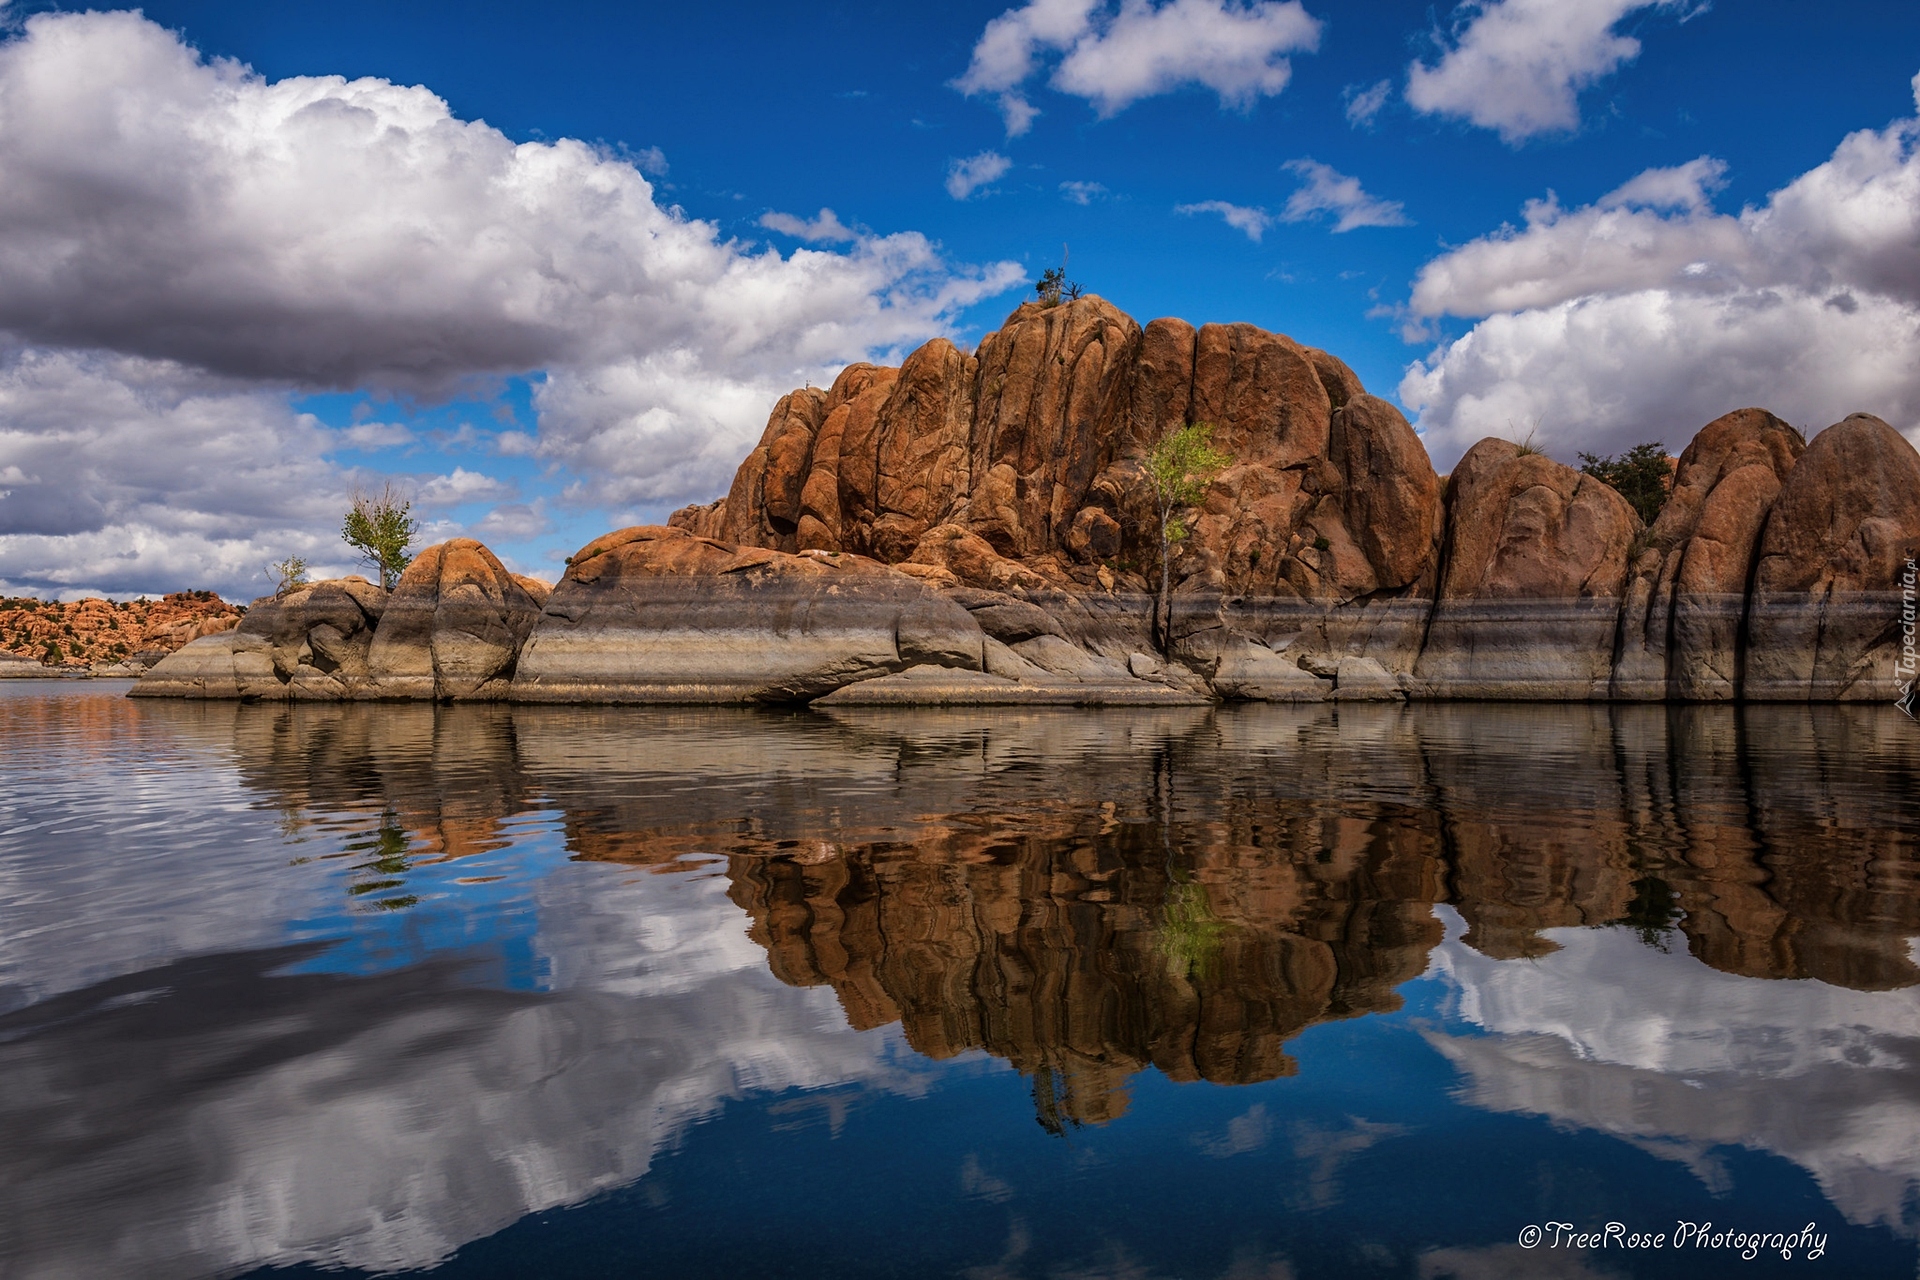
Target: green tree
1176,472
1190,935
381,528
288,575
1053,287
1049,285
1643,475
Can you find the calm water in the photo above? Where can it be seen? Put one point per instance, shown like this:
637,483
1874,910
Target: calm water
1254,992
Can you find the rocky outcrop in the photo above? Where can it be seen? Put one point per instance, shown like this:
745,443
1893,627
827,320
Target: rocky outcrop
311,644
1824,617
454,626
1535,562
975,528
654,614
1687,588
80,634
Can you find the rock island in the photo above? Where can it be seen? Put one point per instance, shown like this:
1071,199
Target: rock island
974,529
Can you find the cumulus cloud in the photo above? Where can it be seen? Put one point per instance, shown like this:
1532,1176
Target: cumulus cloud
1253,221
1518,66
377,435
125,474
189,223
1113,59
1325,190
1082,192
515,521
463,486
1647,313
964,177
824,227
1365,105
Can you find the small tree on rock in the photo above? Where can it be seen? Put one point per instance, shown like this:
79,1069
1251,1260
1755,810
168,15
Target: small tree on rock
381,528
1643,475
288,575
1176,472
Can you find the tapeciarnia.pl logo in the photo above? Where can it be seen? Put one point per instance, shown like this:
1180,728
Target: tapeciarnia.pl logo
1904,667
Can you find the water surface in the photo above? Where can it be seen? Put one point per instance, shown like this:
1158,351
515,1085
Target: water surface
1256,991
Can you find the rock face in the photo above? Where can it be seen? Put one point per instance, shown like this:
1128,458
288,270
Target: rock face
974,528
310,644
453,627
1536,557
1687,589
1824,619
656,614
79,634
1019,468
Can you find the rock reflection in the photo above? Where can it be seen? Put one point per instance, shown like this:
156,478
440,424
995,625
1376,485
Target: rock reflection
1084,895
1087,895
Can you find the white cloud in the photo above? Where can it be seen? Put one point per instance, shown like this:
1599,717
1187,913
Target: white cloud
964,177
1365,105
1647,313
514,521
1689,187
1518,66
1253,221
463,486
188,222
651,161
376,435
825,227
1324,190
127,475
1113,59
1082,192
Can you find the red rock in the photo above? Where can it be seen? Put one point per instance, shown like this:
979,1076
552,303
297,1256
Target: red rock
1823,623
1536,561
453,627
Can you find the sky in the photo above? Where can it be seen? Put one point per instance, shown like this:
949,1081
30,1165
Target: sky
547,268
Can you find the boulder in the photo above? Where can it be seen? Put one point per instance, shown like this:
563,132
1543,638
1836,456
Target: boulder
310,644
1824,620
1048,389
14,667
656,614
1686,593
453,628
1018,470
1536,560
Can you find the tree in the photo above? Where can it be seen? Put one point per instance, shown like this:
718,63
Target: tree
1053,286
1175,472
288,575
381,528
1643,475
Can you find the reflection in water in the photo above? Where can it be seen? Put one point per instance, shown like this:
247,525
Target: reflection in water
469,996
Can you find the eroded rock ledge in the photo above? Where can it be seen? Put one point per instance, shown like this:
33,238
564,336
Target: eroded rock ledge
972,529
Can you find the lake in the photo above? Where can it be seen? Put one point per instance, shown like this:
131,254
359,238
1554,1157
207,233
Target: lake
1256,991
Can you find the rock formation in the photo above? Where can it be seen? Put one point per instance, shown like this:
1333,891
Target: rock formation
1536,557
1825,603
973,528
1687,590
453,627
311,644
74,635
663,615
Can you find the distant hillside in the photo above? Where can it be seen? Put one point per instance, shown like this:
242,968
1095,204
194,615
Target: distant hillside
80,633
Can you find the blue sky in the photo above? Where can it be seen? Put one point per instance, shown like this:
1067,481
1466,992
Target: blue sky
231,289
